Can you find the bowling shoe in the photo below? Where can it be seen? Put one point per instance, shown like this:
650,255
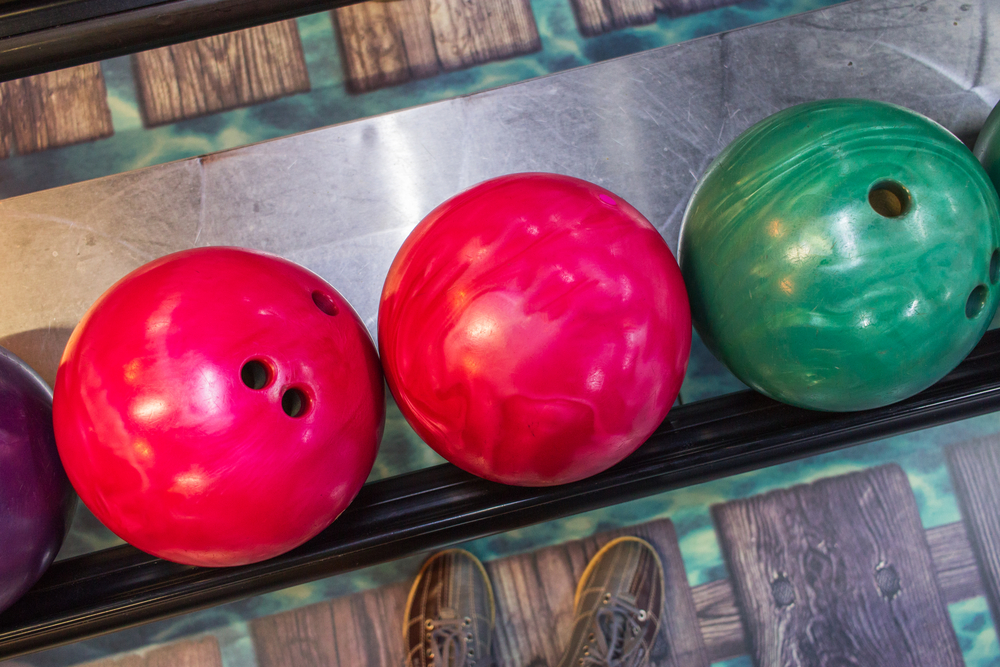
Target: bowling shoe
450,613
618,605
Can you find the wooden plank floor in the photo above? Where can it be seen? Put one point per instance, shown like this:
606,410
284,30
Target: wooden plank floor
329,633
534,594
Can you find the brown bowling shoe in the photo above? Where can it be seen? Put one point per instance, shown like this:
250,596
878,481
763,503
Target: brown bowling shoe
450,613
618,605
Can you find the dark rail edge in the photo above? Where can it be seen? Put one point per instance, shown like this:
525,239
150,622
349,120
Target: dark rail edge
122,587
41,36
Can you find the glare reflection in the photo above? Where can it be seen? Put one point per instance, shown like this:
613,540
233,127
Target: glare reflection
482,327
595,380
148,409
846,236
209,388
191,482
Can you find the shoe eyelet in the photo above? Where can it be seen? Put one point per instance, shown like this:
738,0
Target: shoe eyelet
607,598
642,614
472,654
591,637
586,651
430,655
430,625
468,637
467,621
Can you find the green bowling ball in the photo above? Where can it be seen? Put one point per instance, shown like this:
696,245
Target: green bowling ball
987,147
842,255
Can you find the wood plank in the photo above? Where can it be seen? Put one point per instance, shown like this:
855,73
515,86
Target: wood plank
535,592
596,17
954,567
975,473
721,627
54,109
837,572
471,32
675,8
6,124
364,629
954,562
203,652
385,42
220,73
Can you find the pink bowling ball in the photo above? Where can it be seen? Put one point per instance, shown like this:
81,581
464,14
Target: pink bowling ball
219,406
534,329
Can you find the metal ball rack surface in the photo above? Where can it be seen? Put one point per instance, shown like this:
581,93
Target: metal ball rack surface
760,69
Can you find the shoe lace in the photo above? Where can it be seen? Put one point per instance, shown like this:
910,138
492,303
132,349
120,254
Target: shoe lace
618,636
450,642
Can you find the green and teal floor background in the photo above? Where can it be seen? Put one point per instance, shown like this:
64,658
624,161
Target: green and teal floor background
920,454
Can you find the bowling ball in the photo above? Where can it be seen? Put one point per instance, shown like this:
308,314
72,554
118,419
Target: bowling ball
987,147
534,329
842,255
36,500
219,406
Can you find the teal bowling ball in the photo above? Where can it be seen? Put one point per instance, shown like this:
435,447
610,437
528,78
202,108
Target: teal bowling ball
987,147
842,254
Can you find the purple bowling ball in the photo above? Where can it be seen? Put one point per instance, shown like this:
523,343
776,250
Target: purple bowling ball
36,499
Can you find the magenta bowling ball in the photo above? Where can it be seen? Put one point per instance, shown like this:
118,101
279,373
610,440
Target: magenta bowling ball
534,329
36,500
219,406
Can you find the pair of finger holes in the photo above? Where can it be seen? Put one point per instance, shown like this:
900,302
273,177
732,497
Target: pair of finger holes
891,200
257,375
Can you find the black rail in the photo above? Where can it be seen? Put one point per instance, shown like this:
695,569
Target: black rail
41,35
121,587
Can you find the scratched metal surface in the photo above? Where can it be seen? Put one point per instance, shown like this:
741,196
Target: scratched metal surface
341,200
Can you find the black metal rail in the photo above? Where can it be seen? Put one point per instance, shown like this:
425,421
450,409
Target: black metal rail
427,509
42,35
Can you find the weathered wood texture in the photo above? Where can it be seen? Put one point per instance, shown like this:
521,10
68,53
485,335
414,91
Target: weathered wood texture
471,32
954,562
54,109
534,594
220,73
202,652
975,473
837,572
383,43
954,567
363,630
675,8
595,17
